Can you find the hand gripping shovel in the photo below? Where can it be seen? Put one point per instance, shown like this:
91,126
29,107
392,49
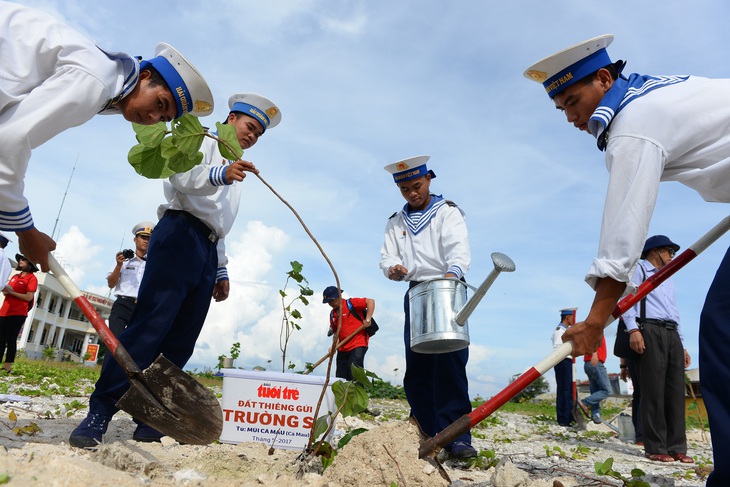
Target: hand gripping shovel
162,396
432,446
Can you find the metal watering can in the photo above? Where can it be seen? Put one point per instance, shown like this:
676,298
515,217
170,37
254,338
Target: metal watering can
439,310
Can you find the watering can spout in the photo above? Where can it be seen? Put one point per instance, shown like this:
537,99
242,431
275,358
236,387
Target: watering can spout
502,263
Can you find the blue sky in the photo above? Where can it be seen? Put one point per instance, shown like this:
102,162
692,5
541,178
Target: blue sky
362,84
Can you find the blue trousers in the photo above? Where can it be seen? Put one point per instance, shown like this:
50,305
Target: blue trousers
600,386
715,370
173,301
564,391
436,385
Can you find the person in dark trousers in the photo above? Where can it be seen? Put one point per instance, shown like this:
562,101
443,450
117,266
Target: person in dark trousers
125,279
630,370
564,372
186,266
654,334
356,312
652,129
428,239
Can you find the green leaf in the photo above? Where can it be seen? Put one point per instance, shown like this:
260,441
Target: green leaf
359,375
148,162
227,134
296,266
188,134
637,472
346,439
150,135
296,314
321,425
351,396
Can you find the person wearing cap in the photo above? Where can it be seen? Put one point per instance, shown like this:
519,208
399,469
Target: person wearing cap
356,312
428,239
19,293
186,265
564,372
652,129
5,267
655,334
53,78
126,277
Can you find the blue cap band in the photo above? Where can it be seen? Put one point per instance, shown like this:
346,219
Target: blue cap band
174,81
576,71
411,173
251,111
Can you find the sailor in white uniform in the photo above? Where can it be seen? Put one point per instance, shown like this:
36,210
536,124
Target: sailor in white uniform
652,129
186,265
53,78
428,239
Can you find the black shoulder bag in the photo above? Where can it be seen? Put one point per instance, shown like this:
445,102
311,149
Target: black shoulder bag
622,347
373,328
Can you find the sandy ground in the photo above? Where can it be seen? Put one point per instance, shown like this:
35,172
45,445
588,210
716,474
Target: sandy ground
532,452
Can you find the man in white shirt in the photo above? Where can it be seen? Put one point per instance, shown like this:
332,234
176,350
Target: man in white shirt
5,267
126,277
564,372
652,129
53,78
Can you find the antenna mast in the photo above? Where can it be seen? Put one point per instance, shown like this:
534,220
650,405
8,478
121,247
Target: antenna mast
64,197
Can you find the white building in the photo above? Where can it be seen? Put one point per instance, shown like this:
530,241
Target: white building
57,322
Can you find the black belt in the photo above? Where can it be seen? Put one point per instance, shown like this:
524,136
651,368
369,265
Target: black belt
198,223
127,298
668,324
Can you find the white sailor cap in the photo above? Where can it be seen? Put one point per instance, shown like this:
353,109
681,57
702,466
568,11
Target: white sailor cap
564,68
256,106
189,89
411,168
143,228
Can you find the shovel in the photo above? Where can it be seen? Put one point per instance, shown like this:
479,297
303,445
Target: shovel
162,396
432,446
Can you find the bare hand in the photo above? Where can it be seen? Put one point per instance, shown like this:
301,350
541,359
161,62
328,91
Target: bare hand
397,272
624,375
36,246
636,342
220,291
687,360
586,338
120,258
237,170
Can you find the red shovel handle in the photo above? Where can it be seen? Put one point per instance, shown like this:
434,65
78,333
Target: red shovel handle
111,341
468,421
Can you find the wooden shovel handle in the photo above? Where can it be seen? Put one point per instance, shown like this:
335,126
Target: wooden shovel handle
117,350
347,339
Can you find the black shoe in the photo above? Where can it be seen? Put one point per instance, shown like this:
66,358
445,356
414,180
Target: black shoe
372,412
146,434
88,434
461,451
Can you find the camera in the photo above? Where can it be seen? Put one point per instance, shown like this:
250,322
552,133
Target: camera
128,254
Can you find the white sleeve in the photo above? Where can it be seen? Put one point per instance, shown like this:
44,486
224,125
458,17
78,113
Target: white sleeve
455,241
635,167
389,252
66,100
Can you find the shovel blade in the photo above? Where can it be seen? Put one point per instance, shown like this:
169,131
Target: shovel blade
175,404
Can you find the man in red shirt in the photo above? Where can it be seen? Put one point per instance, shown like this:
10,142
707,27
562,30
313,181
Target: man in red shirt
356,312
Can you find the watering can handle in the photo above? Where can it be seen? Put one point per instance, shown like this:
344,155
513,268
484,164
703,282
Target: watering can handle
502,263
